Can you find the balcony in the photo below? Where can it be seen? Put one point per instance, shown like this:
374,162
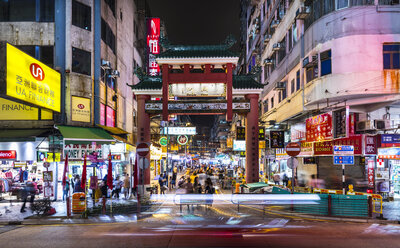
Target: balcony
274,23
267,38
268,62
278,46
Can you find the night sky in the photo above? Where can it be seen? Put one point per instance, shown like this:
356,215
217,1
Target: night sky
198,22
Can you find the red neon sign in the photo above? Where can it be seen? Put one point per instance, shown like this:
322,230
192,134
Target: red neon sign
153,45
8,154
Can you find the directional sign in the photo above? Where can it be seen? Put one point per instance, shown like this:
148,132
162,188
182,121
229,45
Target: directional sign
343,150
143,149
343,160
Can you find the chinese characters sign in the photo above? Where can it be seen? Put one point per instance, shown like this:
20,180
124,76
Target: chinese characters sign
153,45
80,109
277,139
200,89
371,174
326,147
240,133
370,145
319,128
261,133
31,81
298,132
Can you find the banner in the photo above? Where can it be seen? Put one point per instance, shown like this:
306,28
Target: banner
326,147
319,128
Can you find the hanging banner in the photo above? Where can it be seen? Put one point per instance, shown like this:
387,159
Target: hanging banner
319,128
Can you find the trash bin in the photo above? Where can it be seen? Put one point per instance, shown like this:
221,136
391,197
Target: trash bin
78,202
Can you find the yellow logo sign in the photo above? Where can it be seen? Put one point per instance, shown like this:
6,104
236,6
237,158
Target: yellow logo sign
80,109
31,81
14,111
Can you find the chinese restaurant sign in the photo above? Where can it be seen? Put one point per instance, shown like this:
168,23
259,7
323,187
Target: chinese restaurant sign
80,109
153,45
31,81
319,128
326,147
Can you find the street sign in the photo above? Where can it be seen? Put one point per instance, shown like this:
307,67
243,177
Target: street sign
163,141
143,149
292,163
293,149
343,160
343,150
182,139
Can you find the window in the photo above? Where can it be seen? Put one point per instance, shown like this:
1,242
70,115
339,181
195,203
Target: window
44,54
298,80
111,4
266,73
81,61
18,11
81,15
389,2
265,106
326,63
312,73
292,88
47,10
391,56
361,2
340,4
272,102
107,35
290,39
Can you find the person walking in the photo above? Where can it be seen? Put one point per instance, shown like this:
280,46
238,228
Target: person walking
277,178
127,185
29,190
197,189
66,189
77,185
117,187
161,182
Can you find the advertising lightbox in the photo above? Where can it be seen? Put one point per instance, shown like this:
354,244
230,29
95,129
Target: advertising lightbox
179,130
239,145
29,80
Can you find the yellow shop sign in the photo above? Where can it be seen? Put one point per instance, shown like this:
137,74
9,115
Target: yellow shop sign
10,110
31,81
80,108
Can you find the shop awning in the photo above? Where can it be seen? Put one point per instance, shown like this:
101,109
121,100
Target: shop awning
114,130
85,135
14,135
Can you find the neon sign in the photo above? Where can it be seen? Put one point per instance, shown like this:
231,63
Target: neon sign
153,45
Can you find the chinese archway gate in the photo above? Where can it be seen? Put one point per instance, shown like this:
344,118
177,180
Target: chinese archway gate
204,72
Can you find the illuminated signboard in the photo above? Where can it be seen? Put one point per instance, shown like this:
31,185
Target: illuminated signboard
29,80
200,89
179,130
153,45
80,109
239,145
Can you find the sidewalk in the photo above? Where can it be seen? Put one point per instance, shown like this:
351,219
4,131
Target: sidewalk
10,212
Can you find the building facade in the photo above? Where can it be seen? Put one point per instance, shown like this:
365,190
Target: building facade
334,57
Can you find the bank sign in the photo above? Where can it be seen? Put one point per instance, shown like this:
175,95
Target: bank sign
29,80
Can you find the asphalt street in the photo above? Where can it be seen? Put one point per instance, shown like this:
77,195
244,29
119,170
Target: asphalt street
216,226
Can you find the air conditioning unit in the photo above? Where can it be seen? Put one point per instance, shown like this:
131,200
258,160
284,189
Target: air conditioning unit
115,74
267,38
277,46
274,23
365,125
310,61
105,64
268,61
382,124
303,12
280,86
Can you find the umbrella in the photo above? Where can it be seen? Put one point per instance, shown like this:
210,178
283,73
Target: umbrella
64,181
83,181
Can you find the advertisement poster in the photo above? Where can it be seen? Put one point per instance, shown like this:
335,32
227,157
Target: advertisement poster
319,128
277,139
80,109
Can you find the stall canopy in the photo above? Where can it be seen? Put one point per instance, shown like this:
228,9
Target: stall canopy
14,135
85,135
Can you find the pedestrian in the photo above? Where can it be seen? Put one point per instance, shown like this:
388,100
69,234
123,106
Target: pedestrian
285,180
173,179
277,178
127,185
197,186
161,182
188,186
103,188
209,188
29,190
77,185
117,187
66,189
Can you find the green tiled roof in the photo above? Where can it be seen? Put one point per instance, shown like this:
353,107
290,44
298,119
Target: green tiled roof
148,83
197,52
245,82
238,82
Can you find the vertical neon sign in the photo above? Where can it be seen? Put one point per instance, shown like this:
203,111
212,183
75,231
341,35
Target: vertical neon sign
153,45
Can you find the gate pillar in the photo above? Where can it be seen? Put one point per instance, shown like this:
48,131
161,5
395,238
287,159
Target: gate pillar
143,131
252,161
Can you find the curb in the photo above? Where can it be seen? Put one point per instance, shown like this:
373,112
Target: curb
342,219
